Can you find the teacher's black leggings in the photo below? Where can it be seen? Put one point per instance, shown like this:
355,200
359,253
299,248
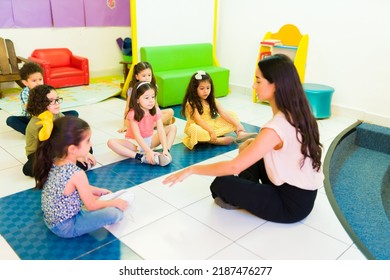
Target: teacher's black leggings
280,204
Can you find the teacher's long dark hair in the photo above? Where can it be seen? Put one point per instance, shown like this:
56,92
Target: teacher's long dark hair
291,100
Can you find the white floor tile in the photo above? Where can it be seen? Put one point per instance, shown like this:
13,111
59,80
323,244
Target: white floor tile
297,241
330,128
182,194
99,117
3,125
234,252
104,155
145,209
176,236
100,136
18,152
219,158
11,139
114,105
13,181
325,148
324,219
180,125
7,160
6,252
352,253
231,223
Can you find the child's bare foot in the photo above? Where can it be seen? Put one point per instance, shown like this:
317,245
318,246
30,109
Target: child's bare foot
170,121
123,129
242,136
223,141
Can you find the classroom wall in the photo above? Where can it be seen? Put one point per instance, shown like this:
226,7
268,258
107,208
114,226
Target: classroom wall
348,47
193,24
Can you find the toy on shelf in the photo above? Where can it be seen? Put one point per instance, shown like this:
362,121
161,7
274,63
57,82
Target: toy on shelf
289,41
271,42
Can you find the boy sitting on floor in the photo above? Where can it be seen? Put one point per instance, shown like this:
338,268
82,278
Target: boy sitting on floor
32,75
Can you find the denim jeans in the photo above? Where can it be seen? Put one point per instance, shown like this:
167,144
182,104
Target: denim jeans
87,221
19,123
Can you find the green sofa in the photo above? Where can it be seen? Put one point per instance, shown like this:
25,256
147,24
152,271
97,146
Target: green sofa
174,65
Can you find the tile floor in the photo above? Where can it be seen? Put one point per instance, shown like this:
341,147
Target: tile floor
182,222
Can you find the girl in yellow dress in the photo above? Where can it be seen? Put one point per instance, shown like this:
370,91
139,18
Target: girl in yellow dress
207,120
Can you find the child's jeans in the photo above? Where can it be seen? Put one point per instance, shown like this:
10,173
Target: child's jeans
87,221
19,123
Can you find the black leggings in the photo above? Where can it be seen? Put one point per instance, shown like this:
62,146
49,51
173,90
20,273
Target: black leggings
280,204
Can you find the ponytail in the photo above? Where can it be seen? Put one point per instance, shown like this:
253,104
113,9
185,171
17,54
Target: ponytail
66,131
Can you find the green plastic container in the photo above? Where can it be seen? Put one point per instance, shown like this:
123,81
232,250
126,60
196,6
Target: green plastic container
320,99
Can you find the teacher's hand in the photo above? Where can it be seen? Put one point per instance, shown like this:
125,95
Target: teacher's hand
177,177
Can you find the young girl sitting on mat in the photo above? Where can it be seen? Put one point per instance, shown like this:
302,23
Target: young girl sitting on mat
207,120
143,116
279,171
143,72
71,206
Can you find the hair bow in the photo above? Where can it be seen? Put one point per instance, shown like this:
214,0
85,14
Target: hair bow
199,74
46,120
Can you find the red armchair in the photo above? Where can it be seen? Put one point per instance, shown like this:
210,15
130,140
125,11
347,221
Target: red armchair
61,68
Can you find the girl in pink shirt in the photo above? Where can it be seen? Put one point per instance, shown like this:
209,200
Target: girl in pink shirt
143,72
140,137
279,171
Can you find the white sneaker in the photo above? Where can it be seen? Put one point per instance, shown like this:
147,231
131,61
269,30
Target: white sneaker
164,160
156,159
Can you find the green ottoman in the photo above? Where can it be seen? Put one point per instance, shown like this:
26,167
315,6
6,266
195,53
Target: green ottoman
320,99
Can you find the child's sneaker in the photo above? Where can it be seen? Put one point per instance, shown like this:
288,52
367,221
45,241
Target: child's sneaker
164,160
156,159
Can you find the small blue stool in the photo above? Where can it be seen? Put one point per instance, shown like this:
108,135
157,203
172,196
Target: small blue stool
320,98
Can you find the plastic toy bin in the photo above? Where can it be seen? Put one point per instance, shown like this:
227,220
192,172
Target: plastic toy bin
320,99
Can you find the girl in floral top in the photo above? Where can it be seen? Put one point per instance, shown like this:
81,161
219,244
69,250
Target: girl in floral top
70,204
